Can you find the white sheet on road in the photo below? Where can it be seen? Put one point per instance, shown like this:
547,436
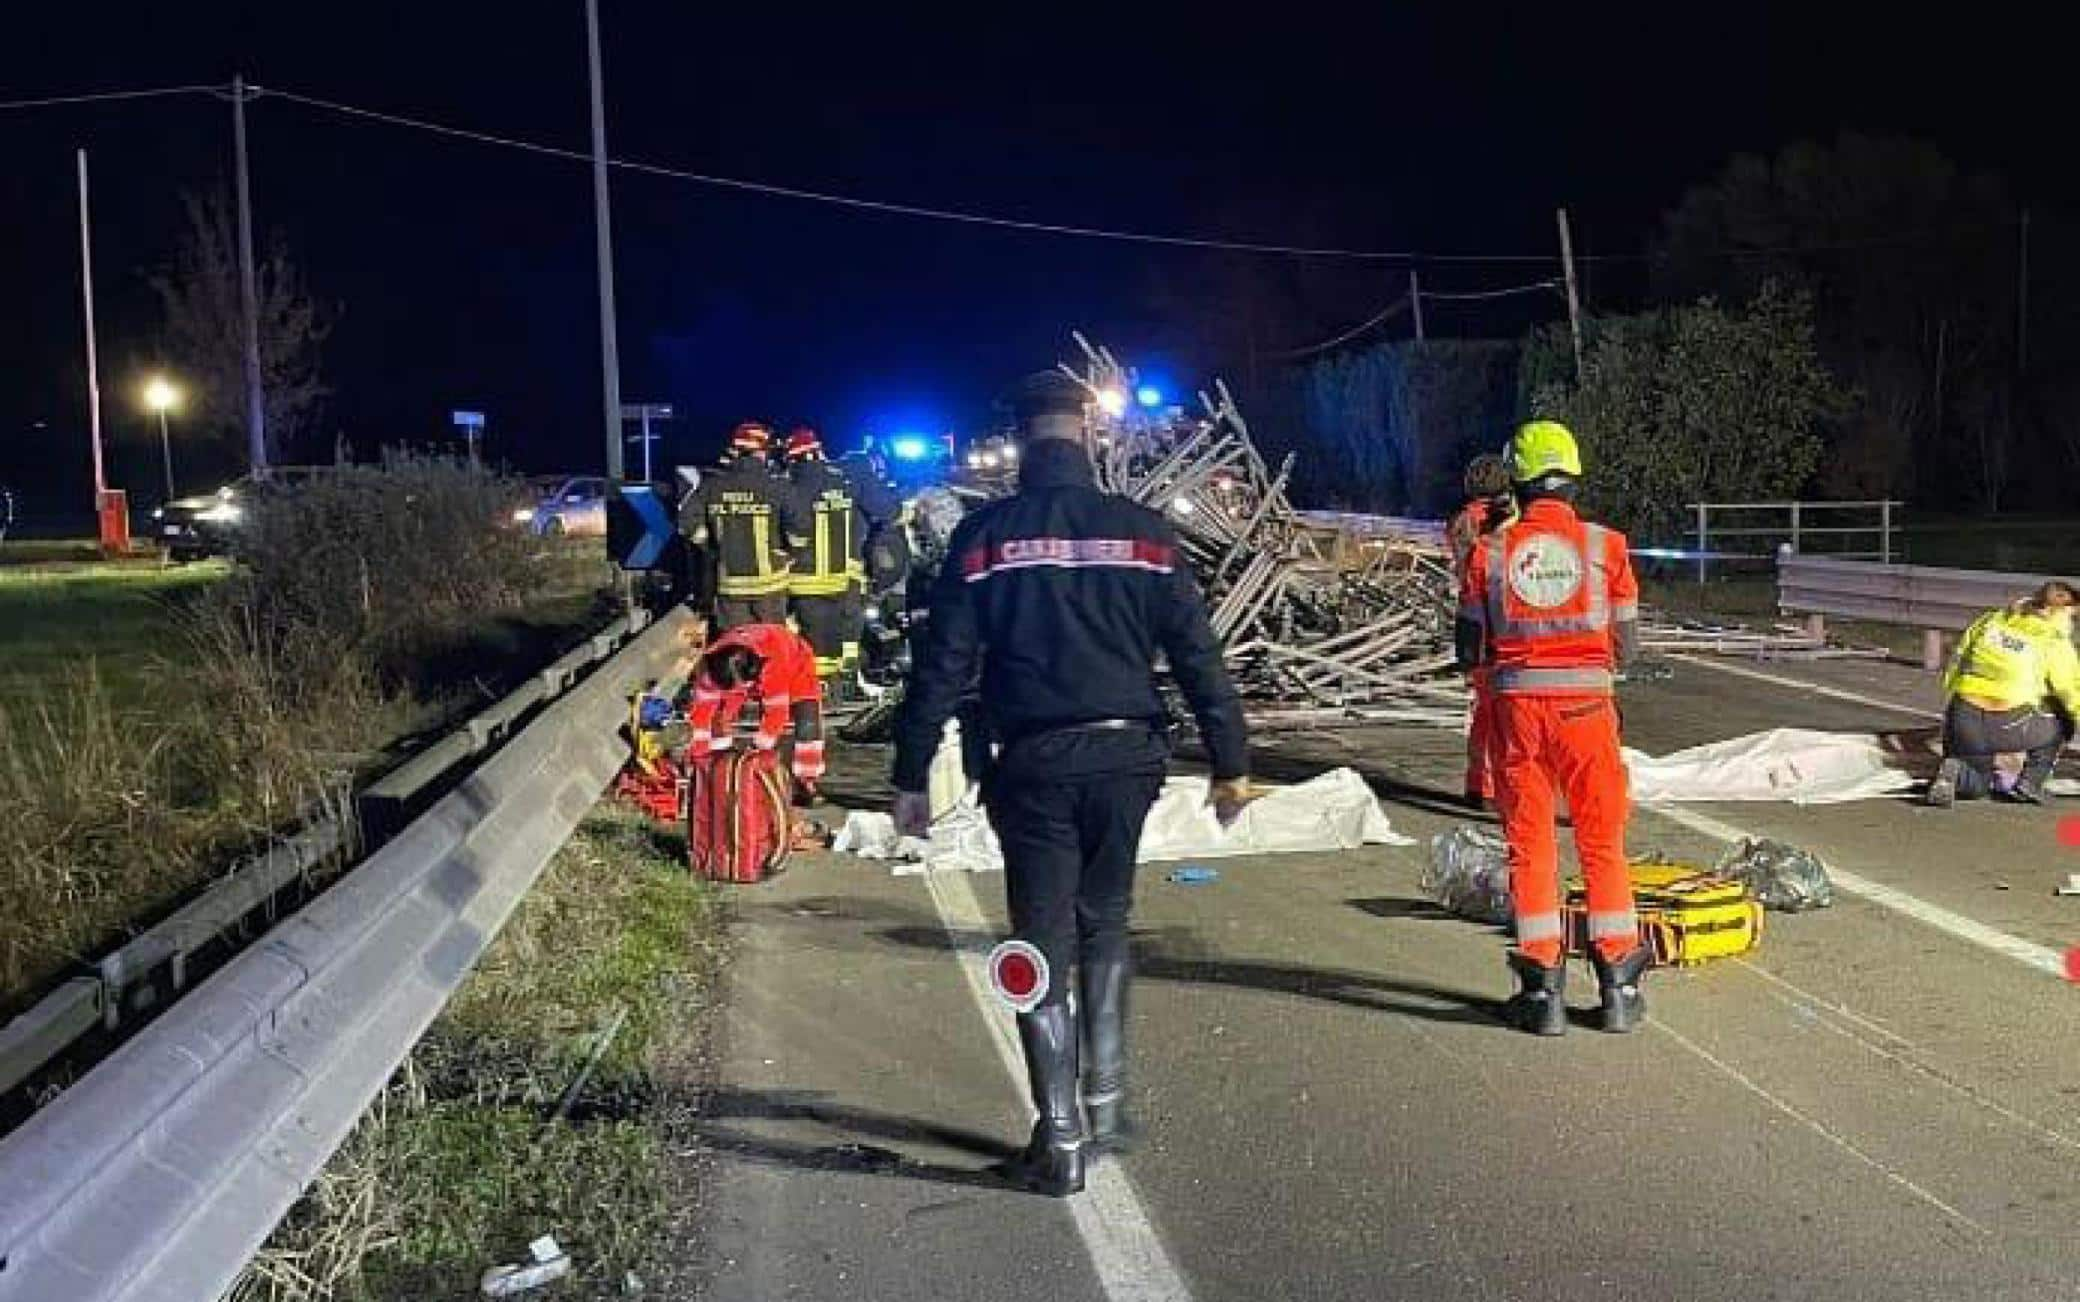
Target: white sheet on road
1335,811
1799,765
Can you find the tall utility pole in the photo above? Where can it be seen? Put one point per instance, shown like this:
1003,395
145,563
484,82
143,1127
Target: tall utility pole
1415,302
86,286
248,291
1574,300
609,352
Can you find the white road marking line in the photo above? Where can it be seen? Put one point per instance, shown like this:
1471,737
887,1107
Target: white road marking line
1907,1063
1821,1001
1818,1128
1817,689
2026,952
1128,1257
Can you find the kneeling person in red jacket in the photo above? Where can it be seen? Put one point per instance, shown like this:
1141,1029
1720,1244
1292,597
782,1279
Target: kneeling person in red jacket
770,663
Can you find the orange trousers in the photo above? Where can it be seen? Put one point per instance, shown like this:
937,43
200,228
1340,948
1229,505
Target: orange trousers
1547,746
1480,732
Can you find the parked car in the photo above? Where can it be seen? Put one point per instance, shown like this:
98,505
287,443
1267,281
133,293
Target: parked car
194,528
575,507
207,524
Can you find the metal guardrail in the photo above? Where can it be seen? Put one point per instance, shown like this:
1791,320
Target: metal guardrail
1800,521
154,964
1913,596
158,1175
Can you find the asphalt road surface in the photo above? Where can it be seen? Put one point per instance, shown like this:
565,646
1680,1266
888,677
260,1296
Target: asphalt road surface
1880,1102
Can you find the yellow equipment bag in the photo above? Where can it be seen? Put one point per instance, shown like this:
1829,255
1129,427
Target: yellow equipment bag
1687,915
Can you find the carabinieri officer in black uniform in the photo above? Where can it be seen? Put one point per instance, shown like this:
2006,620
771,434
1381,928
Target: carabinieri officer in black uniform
1064,596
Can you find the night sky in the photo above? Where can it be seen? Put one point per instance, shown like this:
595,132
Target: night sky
465,271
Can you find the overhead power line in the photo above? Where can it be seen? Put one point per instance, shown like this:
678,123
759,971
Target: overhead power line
1386,313
905,209
974,218
1482,295
109,96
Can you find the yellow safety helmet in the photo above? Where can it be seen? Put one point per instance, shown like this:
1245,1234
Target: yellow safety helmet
1541,448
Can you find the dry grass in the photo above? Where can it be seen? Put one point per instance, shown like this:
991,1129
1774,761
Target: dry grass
153,723
458,1166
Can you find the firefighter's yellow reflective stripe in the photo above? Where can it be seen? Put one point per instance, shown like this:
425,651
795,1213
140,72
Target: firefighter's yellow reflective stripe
755,585
762,543
819,585
823,541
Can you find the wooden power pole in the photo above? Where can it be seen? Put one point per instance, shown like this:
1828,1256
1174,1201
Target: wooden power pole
1574,299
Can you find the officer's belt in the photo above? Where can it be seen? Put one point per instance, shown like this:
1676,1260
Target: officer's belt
1092,725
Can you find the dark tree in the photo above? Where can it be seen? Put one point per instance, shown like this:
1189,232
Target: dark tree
204,331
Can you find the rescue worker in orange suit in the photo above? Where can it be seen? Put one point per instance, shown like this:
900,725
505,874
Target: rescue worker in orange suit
828,582
1488,508
772,665
1551,608
751,522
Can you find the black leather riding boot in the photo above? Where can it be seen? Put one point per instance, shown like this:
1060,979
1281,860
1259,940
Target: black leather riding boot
1053,1159
1104,1012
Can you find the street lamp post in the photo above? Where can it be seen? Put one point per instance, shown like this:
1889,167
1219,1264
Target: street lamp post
162,397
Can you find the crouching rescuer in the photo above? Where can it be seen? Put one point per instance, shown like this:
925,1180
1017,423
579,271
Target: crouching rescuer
2014,686
1062,597
768,663
1550,610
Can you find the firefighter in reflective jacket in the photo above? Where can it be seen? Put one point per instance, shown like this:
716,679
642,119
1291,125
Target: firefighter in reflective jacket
771,664
1551,608
828,582
1488,508
750,521
2014,686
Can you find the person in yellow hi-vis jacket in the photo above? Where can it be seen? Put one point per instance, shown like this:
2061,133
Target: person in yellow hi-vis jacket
2014,686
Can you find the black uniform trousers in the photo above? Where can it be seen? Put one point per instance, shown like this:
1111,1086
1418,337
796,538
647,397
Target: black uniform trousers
1975,736
1070,827
832,625
733,612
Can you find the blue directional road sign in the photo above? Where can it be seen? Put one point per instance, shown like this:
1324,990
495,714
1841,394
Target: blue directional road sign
639,527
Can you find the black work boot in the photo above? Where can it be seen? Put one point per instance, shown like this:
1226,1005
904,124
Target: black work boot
1539,1006
1104,1012
1624,1004
2029,788
1052,1162
1942,789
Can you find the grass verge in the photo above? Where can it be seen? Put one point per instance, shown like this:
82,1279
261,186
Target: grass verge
157,722
457,1167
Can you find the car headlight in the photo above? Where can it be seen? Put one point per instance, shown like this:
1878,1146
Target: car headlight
523,514
158,513
223,513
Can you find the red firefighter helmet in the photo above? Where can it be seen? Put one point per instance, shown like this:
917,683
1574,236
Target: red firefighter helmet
751,436
803,442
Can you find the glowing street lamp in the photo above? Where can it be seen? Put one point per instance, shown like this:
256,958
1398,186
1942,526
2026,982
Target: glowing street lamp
161,396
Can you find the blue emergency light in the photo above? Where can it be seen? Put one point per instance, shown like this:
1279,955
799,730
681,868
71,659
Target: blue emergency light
1149,395
910,447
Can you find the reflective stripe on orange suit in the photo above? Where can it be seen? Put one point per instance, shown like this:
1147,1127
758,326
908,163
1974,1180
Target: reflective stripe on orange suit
1549,592
788,680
